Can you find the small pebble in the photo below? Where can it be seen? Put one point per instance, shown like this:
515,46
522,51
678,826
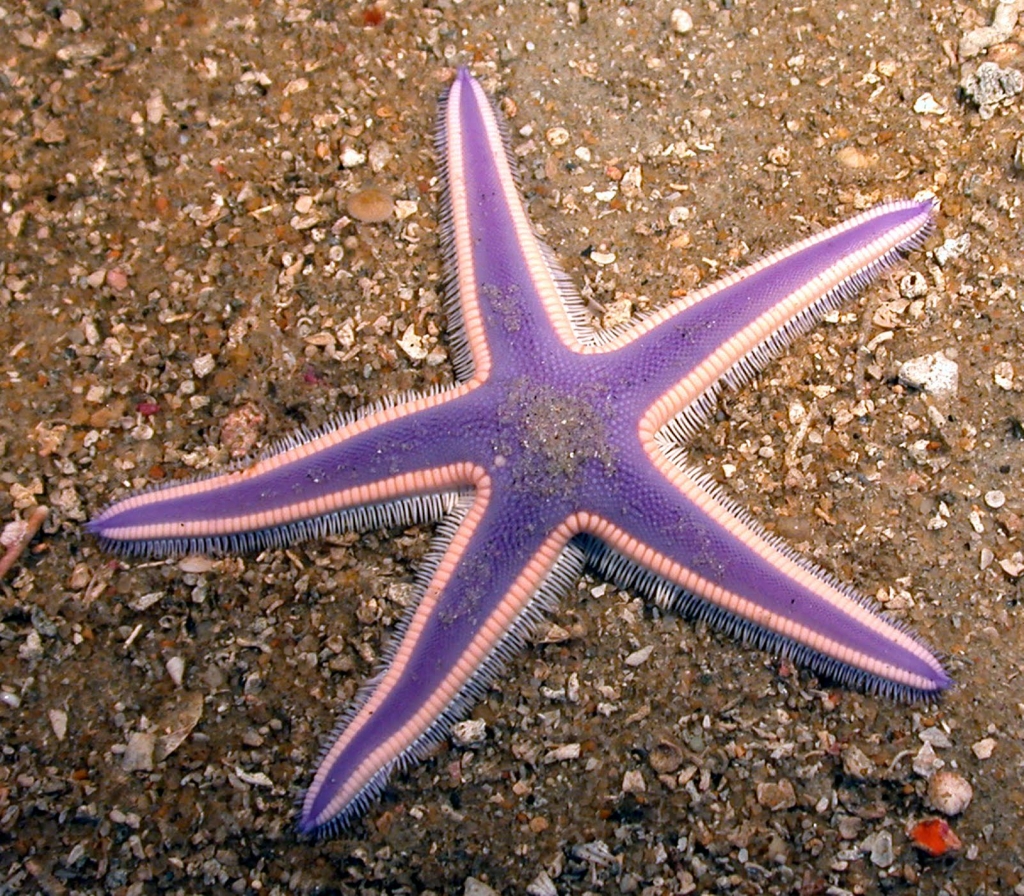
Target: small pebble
138,755
633,782
949,793
992,87
780,155
371,206
679,215
952,248
995,499
196,563
412,344
880,849
984,748
117,279
352,158
849,827
542,885
557,136
1003,374
855,158
680,21
936,737
204,365
776,795
856,764
935,374
1013,566
72,20
380,154
666,758
926,104
474,887
562,753
926,763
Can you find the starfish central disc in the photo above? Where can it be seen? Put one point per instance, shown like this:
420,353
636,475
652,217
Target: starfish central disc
550,440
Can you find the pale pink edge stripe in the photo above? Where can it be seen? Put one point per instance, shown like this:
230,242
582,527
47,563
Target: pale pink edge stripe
761,329
815,288
275,461
432,479
468,286
540,274
693,492
490,634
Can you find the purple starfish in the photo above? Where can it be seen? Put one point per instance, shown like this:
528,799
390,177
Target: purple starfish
559,448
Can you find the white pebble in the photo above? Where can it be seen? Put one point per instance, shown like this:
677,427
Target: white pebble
474,887
880,849
1013,566
926,104
1002,375
633,782
935,374
995,499
926,763
952,248
984,748
203,365
352,158
681,21
562,753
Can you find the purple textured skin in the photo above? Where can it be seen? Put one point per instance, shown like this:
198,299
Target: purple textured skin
557,432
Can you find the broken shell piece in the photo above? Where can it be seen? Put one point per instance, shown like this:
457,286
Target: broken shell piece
934,837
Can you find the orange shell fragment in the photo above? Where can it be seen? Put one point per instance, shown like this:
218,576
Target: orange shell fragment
934,836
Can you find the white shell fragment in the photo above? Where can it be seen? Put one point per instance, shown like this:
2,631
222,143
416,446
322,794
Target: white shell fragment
934,374
469,732
949,793
176,670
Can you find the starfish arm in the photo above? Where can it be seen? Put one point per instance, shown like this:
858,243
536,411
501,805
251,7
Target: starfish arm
507,296
361,472
731,329
485,588
694,550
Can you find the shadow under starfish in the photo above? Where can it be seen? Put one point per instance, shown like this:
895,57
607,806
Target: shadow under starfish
559,447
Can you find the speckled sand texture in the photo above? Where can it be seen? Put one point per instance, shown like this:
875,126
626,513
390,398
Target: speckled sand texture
184,277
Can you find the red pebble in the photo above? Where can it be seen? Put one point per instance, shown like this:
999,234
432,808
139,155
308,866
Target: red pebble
147,408
934,836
